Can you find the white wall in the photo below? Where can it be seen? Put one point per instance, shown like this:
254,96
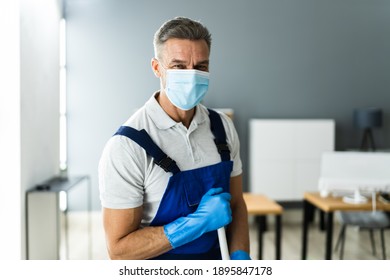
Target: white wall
39,88
39,91
30,120
10,206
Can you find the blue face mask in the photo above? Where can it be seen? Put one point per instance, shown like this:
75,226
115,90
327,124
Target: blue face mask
186,88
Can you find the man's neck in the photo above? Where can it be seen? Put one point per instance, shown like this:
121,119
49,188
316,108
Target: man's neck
178,115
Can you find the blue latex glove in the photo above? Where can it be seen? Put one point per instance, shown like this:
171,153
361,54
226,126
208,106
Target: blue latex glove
212,213
240,255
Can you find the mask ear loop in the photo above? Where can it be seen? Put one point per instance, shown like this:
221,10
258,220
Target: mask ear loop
163,77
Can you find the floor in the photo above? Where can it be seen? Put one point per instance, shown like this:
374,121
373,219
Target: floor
357,244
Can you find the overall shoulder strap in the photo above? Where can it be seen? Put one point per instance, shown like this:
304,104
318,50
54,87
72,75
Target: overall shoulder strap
220,135
142,138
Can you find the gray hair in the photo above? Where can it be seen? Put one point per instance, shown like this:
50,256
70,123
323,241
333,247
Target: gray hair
180,28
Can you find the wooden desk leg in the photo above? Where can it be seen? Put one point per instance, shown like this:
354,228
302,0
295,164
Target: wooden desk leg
261,222
329,235
278,235
307,213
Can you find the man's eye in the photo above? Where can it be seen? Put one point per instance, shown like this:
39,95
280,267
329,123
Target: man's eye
178,66
202,68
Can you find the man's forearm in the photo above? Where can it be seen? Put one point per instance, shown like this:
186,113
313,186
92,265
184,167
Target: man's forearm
237,231
141,244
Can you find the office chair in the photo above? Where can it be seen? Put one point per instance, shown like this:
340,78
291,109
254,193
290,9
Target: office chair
346,172
375,220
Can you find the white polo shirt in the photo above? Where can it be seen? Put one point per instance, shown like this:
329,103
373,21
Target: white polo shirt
128,178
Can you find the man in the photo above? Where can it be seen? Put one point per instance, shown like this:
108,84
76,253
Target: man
171,175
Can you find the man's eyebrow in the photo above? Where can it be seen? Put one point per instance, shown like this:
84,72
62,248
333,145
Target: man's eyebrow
177,61
203,62
184,62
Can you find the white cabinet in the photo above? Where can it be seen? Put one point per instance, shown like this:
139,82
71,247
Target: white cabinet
285,155
58,219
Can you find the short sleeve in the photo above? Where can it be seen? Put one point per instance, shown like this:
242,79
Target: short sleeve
121,174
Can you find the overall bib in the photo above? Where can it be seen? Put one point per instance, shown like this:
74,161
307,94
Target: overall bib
185,189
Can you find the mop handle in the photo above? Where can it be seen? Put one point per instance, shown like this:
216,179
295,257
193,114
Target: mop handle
223,244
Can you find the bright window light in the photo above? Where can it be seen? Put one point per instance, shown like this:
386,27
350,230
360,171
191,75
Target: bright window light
63,117
63,201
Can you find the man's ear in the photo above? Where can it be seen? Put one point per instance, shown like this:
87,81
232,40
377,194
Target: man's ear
155,67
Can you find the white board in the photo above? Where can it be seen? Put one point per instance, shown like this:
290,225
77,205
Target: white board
285,155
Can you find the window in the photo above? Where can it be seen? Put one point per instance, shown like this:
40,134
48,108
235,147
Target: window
63,98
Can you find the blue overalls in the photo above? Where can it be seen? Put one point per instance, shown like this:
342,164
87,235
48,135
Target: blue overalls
186,188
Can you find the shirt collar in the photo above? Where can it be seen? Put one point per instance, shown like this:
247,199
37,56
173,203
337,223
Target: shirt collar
163,121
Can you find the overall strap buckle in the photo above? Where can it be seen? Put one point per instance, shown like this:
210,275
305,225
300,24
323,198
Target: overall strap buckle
167,164
222,148
142,138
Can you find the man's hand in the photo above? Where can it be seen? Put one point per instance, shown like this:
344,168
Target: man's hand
213,212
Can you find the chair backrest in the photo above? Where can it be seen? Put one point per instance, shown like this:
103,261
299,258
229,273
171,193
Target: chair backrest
348,171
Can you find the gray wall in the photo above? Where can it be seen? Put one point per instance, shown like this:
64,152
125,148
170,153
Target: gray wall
269,59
